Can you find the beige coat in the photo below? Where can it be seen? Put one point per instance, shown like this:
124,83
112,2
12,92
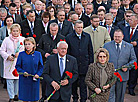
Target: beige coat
98,37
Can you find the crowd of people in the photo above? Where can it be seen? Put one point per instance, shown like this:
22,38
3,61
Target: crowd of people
41,41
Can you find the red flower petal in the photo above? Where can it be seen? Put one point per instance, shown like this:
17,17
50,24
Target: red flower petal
118,76
15,73
27,33
135,64
20,34
61,40
21,43
69,74
34,35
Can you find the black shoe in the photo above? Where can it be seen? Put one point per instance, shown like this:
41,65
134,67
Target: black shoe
42,99
132,93
11,100
16,98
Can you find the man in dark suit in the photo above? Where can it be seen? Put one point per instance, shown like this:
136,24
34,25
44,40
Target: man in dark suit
101,15
19,9
54,74
120,13
124,23
114,12
80,46
65,27
109,25
47,46
125,5
89,10
121,54
38,11
32,27
3,15
131,36
82,16
12,12
6,4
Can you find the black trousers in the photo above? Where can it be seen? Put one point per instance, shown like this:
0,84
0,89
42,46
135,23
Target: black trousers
83,89
132,79
59,100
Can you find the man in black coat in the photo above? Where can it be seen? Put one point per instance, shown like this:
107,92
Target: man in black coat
65,27
109,25
82,16
80,46
32,27
55,71
131,36
125,22
47,46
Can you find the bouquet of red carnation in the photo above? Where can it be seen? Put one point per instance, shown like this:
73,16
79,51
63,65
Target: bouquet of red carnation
133,65
116,75
15,73
68,75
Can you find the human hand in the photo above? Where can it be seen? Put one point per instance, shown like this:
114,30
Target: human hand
16,55
10,58
97,90
55,85
36,76
25,74
55,51
134,43
124,69
106,87
47,54
64,82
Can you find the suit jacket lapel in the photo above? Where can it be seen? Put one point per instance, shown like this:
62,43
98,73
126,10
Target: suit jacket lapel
135,34
122,48
57,64
114,48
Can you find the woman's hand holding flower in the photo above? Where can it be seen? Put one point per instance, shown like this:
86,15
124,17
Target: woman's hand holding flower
55,85
106,87
10,58
124,69
16,55
64,82
97,90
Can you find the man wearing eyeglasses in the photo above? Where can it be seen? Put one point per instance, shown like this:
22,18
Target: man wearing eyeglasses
121,54
125,23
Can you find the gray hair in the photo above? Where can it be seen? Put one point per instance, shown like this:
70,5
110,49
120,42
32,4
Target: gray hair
79,4
109,14
53,24
78,21
62,42
3,10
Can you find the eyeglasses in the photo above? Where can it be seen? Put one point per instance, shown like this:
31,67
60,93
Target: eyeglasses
128,16
102,56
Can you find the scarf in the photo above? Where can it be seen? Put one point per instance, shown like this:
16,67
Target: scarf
15,40
103,74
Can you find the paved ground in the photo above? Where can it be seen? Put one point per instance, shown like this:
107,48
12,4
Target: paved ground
4,95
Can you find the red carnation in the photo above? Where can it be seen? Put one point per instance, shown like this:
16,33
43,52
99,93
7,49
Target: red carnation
27,33
62,40
135,64
34,35
69,74
21,43
118,76
15,73
20,34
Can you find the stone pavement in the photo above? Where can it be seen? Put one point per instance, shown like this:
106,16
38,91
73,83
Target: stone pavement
4,95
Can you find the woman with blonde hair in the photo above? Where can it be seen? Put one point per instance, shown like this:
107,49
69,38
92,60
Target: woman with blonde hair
99,76
10,48
29,62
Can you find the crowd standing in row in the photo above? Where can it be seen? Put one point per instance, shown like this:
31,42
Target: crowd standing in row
68,34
